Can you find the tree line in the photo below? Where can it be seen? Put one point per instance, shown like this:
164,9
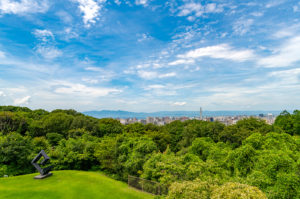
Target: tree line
195,159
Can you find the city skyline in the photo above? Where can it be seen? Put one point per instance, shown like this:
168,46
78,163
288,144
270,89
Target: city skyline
149,55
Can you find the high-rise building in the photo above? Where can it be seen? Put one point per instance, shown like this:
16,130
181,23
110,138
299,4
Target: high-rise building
201,116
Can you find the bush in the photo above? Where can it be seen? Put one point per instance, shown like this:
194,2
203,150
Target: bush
233,190
191,190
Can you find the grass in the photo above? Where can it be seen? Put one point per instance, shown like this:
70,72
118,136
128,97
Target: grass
68,185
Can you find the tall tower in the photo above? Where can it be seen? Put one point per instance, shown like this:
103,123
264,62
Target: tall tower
201,117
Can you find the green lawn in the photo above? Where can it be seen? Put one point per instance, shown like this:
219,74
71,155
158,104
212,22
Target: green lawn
67,185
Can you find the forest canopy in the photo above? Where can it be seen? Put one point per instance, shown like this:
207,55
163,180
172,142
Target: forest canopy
195,159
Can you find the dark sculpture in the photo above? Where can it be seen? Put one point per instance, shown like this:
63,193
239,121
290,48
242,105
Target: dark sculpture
44,172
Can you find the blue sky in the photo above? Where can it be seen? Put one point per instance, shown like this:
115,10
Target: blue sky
150,55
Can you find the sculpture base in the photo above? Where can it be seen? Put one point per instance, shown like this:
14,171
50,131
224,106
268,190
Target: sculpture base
43,176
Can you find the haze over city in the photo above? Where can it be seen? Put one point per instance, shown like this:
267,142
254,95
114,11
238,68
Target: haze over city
149,55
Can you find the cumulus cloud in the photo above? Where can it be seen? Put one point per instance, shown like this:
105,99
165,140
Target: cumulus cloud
24,100
23,6
83,90
286,55
90,10
222,51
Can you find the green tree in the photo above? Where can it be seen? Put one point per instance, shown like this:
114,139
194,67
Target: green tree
15,153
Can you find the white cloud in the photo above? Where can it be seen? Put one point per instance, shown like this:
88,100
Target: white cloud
274,3
23,6
153,75
118,2
24,100
160,90
296,7
47,47
91,10
65,17
141,2
193,10
257,14
179,103
69,33
242,26
155,86
2,94
213,8
143,37
147,74
222,51
181,61
287,77
48,52
283,33
172,74
286,55
83,90
2,54
44,35
90,80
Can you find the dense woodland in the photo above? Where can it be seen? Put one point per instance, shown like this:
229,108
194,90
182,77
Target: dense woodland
195,159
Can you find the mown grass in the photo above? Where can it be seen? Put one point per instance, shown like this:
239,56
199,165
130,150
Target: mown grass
68,185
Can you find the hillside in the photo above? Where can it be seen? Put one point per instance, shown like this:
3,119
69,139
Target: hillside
67,184
143,115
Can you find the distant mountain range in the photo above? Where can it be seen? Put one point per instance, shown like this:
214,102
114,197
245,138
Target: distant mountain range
142,115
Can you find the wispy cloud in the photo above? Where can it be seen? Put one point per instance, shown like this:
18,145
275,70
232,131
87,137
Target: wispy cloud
222,51
48,52
2,94
2,54
83,90
23,7
24,100
284,56
242,26
182,62
193,10
141,2
290,76
179,103
46,47
153,74
273,3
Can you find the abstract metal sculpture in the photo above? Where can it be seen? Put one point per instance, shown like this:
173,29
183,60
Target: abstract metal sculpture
44,172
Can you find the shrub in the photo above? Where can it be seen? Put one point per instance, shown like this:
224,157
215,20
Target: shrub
233,190
191,190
